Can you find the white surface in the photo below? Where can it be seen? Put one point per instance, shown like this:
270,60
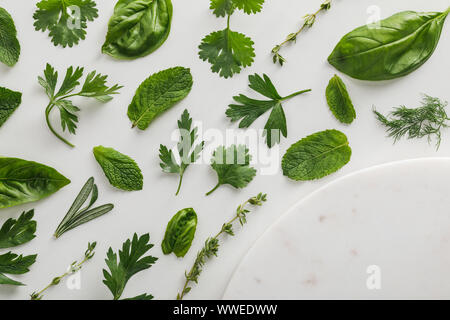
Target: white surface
389,223
25,135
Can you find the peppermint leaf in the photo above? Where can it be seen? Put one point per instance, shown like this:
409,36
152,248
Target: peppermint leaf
9,45
339,101
9,102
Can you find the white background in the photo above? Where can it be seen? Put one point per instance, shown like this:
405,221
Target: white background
26,136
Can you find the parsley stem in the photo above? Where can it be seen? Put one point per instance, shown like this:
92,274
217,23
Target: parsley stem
295,94
49,108
213,189
179,184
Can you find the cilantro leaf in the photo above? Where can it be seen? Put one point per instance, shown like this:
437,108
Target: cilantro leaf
9,45
227,51
248,110
65,19
249,6
16,232
11,263
185,147
9,102
221,8
232,166
131,261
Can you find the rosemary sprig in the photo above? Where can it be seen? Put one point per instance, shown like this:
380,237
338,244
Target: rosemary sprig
211,246
425,121
74,267
77,216
308,22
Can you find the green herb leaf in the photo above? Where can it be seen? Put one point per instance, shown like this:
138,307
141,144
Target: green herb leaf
185,147
316,156
141,297
227,52
66,20
221,8
232,166
24,181
9,102
137,28
131,261
158,93
121,171
248,110
9,45
394,48
180,233
249,6
11,263
339,101
17,232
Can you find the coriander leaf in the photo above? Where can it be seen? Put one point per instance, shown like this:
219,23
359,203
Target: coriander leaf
316,156
232,166
227,52
339,101
65,19
185,147
9,102
158,93
131,261
17,232
248,110
11,263
180,233
249,6
9,45
121,171
221,8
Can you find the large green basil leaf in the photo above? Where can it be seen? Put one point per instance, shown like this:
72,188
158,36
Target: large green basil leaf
137,28
180,232
24,181
393,48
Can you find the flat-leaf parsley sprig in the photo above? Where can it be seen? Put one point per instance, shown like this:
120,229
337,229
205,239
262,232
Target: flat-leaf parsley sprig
94,87
425,121
211,247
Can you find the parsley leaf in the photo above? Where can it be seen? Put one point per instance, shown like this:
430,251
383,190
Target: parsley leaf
9,45
248,110
9,102
17,232
232,166
187,152
94,87
131,261
11,263
227,51
65,19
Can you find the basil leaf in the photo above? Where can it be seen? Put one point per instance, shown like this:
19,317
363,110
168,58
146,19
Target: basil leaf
9,45
339,101
180,232
9,102
316,156
159,93
137,28
396,47
24,181
121,171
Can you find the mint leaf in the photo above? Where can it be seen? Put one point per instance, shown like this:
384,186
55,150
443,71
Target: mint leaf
339,101
66,20
131,261
9,45
187,152
11,263
158,93
232,166
227,52
9,102
17,232
248,110
316,156
121,171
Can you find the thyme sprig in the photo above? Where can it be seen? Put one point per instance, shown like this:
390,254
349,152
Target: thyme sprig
425,121
308,22
74,268
211,247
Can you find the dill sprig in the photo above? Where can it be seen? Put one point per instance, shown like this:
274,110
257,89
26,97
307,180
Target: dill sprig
308,22
74,267
425,121
211,246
